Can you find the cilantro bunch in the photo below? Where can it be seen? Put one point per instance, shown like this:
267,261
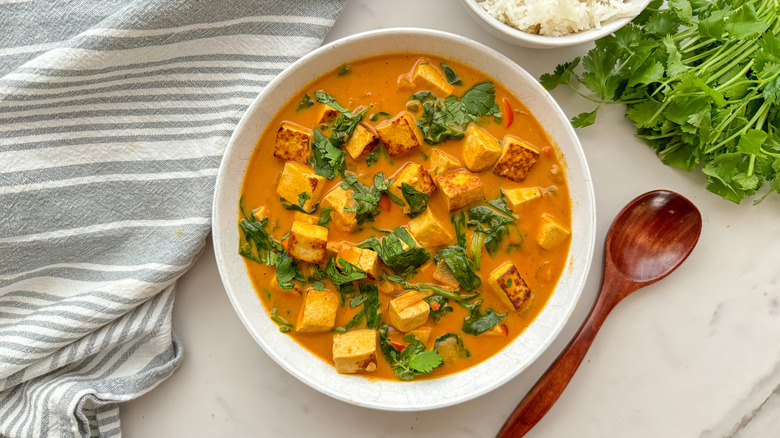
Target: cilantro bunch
701,82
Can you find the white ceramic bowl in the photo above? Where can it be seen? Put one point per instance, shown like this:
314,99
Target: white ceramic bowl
515,36
424,393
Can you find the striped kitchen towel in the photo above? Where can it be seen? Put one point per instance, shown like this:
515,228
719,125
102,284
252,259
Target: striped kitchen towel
113,117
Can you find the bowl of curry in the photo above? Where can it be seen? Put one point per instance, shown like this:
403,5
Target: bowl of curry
404,219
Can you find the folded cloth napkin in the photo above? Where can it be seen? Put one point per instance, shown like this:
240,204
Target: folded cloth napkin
113,117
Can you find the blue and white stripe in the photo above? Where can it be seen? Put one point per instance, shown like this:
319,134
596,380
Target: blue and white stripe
113,117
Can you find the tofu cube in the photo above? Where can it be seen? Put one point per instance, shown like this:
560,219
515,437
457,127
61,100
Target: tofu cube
551,232
414,175
362,141
440,163
355,351
517,198
318,313
426,75
327,113
443,275
517,159
399,134
296,179
409,317
338,199
429,231
365,259
510,287
293,143
303,217
422,334
481,150
461,188
307,242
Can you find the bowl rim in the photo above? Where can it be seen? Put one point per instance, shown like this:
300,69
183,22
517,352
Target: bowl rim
223,249
518,36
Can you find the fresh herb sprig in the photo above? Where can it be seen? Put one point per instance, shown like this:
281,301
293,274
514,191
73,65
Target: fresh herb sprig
447,118
701,82
414,360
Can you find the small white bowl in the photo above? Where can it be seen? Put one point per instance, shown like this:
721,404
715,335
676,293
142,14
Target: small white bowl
525,39
424,393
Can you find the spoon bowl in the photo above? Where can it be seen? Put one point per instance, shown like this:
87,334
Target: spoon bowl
648,240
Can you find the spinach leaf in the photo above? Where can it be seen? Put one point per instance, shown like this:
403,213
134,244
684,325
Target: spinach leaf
460,228
257,244
366,198
325,217
327,159
438,290
417,200
439,306
327,99
286,271
462,268
490,222
306,102
404,235
346,273
449,73
390,250
501,205
448,118
413,361
345,70
479,322
343,126
369,298
298,207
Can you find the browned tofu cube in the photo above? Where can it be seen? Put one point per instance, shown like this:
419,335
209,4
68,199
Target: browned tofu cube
296,179
414,175
517,159
307,242
443,275
293,143
355,351
339,199
406,317
461,188
362,141
440,163
318,313
327,113
429,231
481,150
517,198
551,232
427,76
510,287
422,334
365,259
399,134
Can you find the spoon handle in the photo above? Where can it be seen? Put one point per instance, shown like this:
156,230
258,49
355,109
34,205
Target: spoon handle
551,385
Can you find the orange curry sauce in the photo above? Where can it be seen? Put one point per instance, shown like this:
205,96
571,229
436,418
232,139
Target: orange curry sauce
383,84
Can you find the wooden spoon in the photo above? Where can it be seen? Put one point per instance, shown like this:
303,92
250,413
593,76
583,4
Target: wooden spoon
648,240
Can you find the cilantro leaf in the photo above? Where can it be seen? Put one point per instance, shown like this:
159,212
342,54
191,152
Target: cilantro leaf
560,76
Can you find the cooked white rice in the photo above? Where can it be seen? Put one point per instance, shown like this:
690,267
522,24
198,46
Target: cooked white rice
557,17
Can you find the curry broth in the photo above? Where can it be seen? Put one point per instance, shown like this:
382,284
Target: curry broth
381,83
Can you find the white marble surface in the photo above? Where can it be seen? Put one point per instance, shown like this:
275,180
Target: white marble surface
695,355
